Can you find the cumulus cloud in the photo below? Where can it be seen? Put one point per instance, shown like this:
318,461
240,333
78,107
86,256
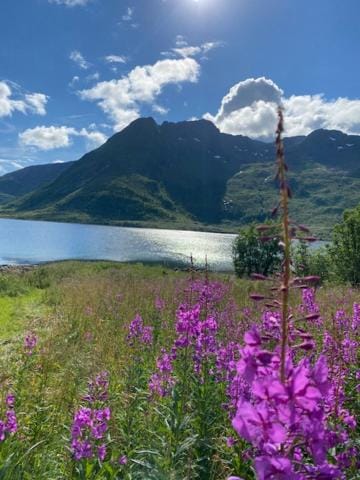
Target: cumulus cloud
28,103
250,107
52,137
70,3
78,58
121,99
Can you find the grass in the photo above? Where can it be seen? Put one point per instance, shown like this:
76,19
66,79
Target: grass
15,313
81,313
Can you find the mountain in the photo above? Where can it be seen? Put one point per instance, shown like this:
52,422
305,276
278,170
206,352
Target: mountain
25,180
190,174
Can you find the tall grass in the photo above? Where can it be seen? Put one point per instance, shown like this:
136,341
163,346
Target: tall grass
84,330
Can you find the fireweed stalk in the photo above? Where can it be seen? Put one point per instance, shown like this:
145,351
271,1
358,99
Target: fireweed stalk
284,194
90,422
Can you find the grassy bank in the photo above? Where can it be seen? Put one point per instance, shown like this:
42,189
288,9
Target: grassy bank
82,314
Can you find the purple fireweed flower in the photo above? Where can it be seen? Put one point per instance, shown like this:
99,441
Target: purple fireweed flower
138,331
89,426
355,324
101,451
271,415
10,400
147,335
230,442
90,423
88,311
8,425
279,468
159,304
30,343
123,460
162,382
135,327
98,388
88,336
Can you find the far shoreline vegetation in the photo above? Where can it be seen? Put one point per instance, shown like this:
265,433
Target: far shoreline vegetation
233,228
82,220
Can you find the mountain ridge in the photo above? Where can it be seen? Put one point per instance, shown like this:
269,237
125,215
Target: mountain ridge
189,173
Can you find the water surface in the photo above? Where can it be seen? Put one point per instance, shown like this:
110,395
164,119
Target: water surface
33,242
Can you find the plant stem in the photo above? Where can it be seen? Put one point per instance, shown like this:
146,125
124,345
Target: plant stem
284,193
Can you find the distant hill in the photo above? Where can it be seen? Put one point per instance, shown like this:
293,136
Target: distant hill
191,175
25,180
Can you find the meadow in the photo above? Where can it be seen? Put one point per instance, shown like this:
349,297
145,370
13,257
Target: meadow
112,371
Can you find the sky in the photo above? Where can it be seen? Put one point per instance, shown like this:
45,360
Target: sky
74,72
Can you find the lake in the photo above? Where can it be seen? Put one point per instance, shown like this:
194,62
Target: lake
30,242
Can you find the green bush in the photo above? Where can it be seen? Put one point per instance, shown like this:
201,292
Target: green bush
252,255
345,248
312,261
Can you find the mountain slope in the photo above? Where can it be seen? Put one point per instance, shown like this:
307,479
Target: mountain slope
190,160
21,182
190,173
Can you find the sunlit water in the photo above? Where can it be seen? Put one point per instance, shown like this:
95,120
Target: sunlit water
28,242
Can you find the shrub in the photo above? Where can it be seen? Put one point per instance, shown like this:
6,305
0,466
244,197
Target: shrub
345,249
307,261
252,255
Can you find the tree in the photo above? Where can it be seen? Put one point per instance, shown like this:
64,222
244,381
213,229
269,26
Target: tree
252,255
311,261
345,248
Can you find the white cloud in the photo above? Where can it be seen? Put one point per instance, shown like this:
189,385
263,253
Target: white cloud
160,110
30,102
47,138
95,138
70,3
193,51
115,59
8,165
183,49
50,138
78,58
74,81
93,76
128,16
36,102
180,41
306,113
250,109
121,99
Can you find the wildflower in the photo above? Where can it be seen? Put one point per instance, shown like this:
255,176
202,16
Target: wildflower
137,331
88,311
30,343
147,335
159,304
123,460
90,423
230,442
8,425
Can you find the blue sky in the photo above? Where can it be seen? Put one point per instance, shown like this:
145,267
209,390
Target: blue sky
72,72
